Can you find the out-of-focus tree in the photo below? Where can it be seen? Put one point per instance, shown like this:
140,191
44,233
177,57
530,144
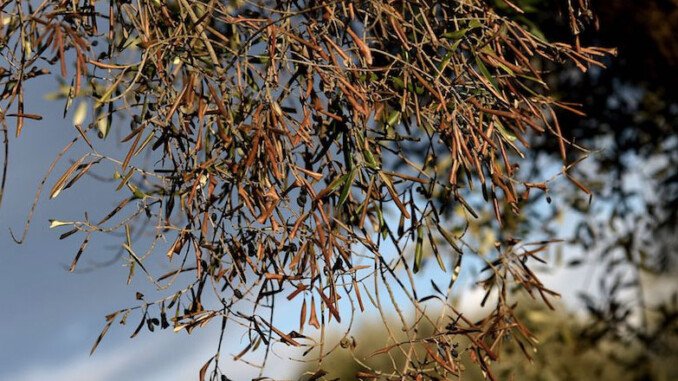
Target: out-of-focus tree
631,122
631,125
563,352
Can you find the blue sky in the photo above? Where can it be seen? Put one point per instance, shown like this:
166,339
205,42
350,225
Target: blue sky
50,317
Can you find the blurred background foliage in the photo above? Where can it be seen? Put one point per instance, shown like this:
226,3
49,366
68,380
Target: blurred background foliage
629,230
629,330
563,352
632,113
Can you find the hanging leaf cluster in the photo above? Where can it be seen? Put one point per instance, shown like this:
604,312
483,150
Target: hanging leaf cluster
279,147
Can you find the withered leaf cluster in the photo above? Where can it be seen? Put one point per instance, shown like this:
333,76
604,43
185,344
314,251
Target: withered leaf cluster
292,145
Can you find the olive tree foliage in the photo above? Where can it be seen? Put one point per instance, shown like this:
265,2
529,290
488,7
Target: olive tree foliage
308,152
629,232
564,353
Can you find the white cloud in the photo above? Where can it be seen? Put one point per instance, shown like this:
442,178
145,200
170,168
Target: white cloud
164,356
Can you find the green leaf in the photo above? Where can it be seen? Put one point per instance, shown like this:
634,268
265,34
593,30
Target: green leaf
486,73
398,83
434,248
475,23
449,238
418,249
393,118
369,158
348,183
106,96
457,34
504,132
